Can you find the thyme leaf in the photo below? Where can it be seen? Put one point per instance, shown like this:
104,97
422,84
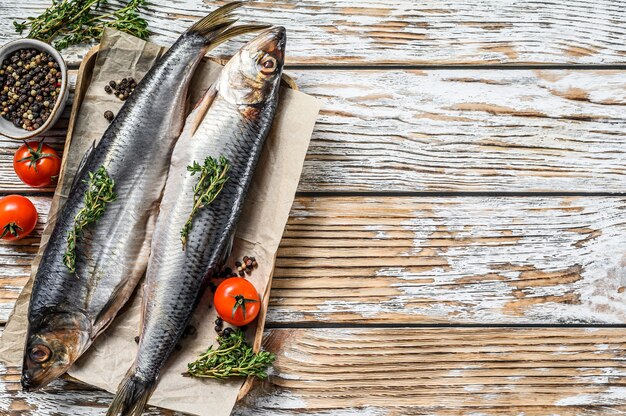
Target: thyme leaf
77,21
232,358
99,193
210,183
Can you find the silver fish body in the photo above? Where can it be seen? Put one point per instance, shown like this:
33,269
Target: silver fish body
68,310
235,121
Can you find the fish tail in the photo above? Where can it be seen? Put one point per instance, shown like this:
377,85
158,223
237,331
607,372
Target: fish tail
236,31
132,396
215,27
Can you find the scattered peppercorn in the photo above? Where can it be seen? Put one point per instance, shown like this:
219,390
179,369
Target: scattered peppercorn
30,83
189,331
227,332
242,268
109,115
137,339
122,89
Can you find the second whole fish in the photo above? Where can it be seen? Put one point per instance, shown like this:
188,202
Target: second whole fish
232,121
69,307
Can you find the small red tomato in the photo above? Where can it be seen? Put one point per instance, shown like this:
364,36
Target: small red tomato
37,164
237,301
18,217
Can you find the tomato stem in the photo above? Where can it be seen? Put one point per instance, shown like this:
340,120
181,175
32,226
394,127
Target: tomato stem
35,155
240,302
11,229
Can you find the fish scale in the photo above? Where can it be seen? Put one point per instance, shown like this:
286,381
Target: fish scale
68,310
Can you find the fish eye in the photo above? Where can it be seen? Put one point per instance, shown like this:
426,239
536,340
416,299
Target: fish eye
268,65
40,353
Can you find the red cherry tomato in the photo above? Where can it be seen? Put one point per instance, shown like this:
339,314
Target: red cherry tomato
237,301
18,217
37,164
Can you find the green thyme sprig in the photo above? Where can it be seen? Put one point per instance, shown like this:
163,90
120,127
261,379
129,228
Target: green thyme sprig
232,358
210,184
78,21
99,193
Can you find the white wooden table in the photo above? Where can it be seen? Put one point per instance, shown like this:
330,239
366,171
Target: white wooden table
458,242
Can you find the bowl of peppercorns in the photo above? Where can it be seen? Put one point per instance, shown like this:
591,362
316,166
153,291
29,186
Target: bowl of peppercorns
33,88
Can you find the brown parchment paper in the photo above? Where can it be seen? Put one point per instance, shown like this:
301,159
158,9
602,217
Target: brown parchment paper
258,234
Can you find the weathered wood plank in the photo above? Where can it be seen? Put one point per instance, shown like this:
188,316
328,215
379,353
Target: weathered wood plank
467,130
370,32
454,130
429,260
451,260
444,371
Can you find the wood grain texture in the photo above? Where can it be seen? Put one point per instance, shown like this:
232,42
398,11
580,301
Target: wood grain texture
467,130
475,260
452,260
453,130
431,32
393,372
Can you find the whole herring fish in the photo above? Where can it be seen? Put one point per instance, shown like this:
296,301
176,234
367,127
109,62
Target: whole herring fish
232,120
69,309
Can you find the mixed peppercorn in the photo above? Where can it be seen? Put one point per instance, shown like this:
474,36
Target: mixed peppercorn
31,83
122,89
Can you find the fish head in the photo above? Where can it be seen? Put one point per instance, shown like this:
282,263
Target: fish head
52,346
252,75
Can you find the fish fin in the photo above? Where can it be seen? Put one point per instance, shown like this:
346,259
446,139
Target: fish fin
216,26
199,110
228,249
104,318
82,164
216,20
132,396
232,32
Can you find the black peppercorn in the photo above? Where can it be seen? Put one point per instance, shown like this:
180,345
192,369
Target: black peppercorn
108,89
109,115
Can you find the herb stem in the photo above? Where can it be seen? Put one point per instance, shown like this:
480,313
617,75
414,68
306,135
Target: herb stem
232,358
213,176
77,21
98,194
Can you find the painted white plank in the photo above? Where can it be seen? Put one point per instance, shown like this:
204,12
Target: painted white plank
398,372
431,32
474,260
471,260
453,130
467,130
